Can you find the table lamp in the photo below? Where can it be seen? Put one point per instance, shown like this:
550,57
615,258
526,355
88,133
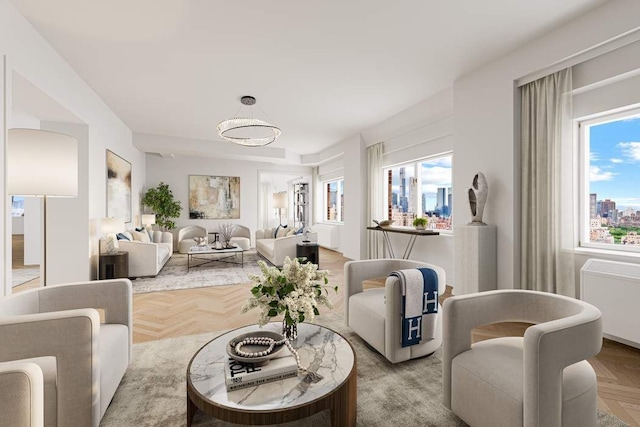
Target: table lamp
42,164
148,220
109,227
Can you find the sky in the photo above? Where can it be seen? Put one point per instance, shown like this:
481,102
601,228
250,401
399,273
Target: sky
614,167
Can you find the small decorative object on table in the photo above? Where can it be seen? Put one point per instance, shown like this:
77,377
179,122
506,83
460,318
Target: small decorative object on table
478,197
295,291
200,241
383,223
419,223
226,230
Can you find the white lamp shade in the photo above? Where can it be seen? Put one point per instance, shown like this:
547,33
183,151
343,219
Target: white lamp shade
111,225
280,200
41,163
149,219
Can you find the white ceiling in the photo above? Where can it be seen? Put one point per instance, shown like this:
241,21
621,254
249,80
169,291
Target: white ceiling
321,70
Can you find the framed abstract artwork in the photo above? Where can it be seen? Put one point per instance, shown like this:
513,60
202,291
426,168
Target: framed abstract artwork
214,197
118,187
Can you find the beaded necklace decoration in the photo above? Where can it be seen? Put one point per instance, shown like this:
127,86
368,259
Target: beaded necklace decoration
270,344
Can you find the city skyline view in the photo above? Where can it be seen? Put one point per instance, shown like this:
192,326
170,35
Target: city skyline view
614,162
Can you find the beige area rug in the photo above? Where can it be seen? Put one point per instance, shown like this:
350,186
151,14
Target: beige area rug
153,391
24,275
174,274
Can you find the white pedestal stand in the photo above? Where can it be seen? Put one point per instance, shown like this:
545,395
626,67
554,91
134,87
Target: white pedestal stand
475,264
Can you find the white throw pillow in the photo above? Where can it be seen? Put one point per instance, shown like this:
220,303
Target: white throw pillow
141,236
129,235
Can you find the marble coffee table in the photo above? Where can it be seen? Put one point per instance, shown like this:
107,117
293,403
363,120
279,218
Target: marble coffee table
321,349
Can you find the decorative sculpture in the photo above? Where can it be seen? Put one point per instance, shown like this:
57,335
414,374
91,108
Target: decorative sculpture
478,198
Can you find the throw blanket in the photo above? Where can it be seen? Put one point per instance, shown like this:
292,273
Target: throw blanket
419,304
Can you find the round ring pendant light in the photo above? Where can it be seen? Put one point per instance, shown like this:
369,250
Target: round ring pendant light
248,131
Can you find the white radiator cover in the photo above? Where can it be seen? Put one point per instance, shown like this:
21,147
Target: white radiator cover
614,287
328,235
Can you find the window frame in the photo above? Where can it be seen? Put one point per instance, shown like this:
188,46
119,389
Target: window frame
325,208
417,173
583,125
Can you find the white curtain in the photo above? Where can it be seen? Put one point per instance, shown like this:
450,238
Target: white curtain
548,209
264,201
375,209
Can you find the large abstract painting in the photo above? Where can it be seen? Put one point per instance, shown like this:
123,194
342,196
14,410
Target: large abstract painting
118,187
214,197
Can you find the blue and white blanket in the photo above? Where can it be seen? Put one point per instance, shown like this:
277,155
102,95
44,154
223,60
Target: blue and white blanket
419,304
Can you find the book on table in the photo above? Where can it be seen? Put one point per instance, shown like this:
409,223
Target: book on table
240,374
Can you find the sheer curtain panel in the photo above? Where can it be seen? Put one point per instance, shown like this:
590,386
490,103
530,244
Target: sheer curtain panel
375,209
548,204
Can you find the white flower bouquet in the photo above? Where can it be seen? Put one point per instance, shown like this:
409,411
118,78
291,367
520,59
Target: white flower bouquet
297,290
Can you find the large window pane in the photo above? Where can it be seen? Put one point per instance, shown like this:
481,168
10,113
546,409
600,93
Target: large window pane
612,193
421,189
334,201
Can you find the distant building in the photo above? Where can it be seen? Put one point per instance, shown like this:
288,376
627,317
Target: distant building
592,205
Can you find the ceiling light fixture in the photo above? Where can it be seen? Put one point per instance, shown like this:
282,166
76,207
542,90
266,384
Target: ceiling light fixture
248,131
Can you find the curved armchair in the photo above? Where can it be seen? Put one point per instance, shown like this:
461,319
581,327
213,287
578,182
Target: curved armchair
82,360
241,236
375,314
186,235
541,379
21,395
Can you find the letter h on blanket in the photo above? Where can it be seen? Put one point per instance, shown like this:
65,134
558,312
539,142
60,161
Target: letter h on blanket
419,304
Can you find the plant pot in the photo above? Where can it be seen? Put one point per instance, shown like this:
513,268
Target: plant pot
419,227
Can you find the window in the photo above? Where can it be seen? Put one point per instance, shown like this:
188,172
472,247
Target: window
17,206
420,189
610,169
334,200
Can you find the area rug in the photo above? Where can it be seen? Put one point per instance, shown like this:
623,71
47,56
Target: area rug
24,275
174,274
153,391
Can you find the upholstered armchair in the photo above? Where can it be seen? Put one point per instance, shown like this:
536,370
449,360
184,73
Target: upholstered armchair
241,236
375,314
186,235
82,360
21,395
539,380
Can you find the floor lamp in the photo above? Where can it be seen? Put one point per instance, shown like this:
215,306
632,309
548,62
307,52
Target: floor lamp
280,202
42,164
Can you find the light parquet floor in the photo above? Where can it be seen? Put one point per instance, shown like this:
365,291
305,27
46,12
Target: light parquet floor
168,314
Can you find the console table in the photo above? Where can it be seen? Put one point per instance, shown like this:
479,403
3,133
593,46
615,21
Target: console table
412,240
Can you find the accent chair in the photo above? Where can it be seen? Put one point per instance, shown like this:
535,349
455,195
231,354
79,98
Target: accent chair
21,395
539,380
375,314
82,360
186,235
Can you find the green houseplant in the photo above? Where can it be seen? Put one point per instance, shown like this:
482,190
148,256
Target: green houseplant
161,201
419,223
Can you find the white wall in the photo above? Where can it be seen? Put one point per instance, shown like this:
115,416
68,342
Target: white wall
29,55
486,112
175,172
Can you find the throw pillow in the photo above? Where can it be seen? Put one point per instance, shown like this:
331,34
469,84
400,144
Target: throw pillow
300,231
291,232
281,232
121,236
141,236
128,235
277,230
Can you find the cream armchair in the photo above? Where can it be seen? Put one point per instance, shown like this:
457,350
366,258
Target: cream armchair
21,395
186,235
541,380
82,360
375,314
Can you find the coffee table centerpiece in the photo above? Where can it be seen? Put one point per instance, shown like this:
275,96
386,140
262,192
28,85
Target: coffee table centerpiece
295,291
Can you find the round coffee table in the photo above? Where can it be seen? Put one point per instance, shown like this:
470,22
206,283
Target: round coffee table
321,349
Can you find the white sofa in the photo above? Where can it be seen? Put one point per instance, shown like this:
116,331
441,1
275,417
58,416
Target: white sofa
275,250
147,257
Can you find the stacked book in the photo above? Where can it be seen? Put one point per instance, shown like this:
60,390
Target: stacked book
240,374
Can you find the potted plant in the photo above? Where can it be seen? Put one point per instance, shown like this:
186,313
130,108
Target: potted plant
419,223
160,200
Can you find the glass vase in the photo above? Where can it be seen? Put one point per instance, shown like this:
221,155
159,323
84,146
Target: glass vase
290,332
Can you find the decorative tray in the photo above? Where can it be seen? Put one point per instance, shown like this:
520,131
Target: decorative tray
261,360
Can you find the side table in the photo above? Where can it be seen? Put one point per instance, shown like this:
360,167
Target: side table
114,266
309,250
